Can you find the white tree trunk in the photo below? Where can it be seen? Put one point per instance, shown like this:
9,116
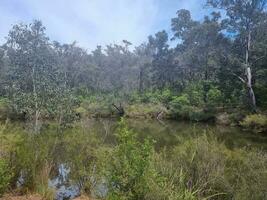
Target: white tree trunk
248,73
250,88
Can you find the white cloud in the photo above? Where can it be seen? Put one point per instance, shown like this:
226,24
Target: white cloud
93,22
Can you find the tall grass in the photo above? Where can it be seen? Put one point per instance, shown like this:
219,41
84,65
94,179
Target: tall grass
198,168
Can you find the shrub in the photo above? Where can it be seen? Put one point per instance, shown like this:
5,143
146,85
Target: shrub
5,176
195,93
129,168
204,168
214,96
4,109
148,110
182,108
202,162
165,97
255,122
246,173
179,102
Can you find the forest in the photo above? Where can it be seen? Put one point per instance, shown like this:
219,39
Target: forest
208,71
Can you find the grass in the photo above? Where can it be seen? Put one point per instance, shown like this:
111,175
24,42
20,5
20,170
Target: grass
255,122
197,168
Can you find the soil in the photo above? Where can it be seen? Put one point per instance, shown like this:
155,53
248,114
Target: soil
35,197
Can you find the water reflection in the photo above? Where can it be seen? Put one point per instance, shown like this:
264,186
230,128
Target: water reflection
71,149
62,184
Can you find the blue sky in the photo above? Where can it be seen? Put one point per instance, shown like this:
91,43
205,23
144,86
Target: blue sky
96,22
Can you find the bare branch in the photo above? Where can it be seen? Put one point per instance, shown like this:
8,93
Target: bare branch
240,78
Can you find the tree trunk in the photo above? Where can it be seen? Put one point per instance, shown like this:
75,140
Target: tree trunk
36,107
206,77
251,95
141,80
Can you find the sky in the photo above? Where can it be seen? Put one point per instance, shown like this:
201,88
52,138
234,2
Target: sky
96,22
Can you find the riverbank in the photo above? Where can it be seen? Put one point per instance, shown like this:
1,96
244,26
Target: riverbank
217,115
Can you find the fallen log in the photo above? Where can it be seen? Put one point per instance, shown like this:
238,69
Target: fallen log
120,109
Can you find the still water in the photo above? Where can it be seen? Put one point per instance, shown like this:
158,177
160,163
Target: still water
66,147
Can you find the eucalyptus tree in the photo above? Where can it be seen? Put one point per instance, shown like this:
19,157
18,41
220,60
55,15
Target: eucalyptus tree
201,46
162,67
73,64
259,53
144,56
242,19
120,69
98,60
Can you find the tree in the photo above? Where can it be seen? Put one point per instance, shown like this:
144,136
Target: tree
144,56
243,17
3,71
162,66
32,69
201,47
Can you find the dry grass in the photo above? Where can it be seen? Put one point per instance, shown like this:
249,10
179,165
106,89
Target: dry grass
24,197
35,197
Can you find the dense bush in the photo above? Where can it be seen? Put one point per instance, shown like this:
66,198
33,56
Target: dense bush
204,168
129,167
4,109
180,101
148,110
214,96
5,176
255,122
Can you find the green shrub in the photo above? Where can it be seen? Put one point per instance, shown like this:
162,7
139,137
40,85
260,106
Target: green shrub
4,109
195,93
255,122
129,168
246,173
148,110
5,176
214,96
179,102
204,168
166,96
261,95
202,161
182,108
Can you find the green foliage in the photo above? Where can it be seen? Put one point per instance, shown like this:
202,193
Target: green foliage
180,101
44,79
246,173
84,157
197,168
4,110
204,168
5,176
261,94
46,192
34,160
129,166
182,108
256,122
166,96
202,161
148,110
195,93
214,96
